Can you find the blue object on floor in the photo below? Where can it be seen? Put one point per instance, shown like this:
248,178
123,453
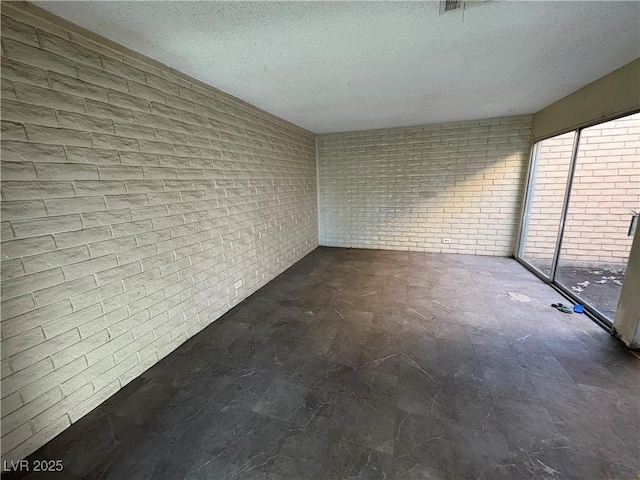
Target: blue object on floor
578,308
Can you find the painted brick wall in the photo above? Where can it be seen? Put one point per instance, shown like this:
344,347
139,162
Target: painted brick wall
138,206
412,188
605,189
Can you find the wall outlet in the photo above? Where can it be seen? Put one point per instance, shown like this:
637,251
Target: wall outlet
446,240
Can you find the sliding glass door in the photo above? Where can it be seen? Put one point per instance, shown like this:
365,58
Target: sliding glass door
550,162
583,190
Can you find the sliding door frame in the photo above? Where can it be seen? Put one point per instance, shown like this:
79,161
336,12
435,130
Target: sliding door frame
565,204
523,228
591,311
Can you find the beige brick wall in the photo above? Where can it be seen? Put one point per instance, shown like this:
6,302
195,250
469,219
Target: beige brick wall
605,189
137,207
411,188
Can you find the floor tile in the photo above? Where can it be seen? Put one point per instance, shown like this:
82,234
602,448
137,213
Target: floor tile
442,445
282,400
370,426
408,470
591,435
590,373
137,401
320,412
375,365
303,456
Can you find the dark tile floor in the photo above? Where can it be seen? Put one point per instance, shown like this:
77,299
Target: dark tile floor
372,364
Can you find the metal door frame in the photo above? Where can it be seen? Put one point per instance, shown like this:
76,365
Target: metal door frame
550,279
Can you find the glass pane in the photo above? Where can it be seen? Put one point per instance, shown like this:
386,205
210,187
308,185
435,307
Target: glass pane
605,190
551,161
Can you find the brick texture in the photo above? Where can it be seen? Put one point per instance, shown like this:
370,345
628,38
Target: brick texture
137,207
605,189
414,188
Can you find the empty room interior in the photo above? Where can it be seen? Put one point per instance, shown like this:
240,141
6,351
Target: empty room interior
320,240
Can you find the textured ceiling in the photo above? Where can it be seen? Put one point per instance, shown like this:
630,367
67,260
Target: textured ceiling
339,66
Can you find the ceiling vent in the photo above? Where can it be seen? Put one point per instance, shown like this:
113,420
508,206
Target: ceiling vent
450,5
